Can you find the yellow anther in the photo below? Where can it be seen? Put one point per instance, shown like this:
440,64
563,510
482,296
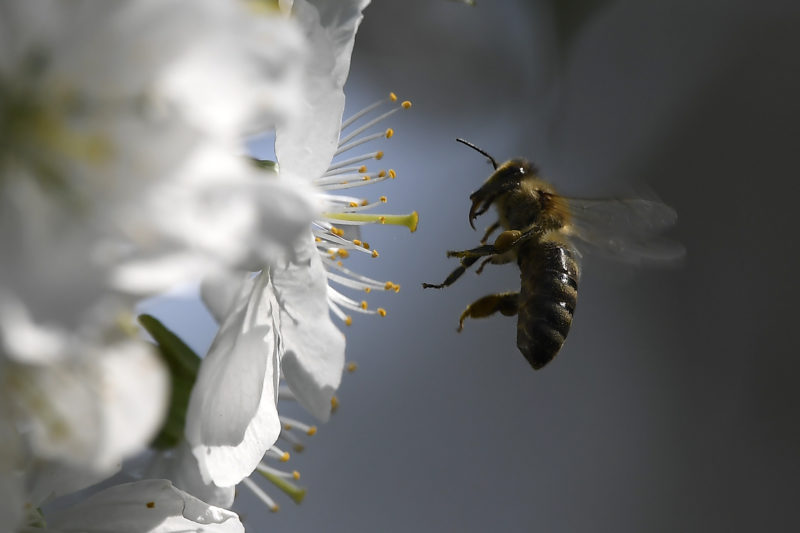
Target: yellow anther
285,456
317,239
353,204
331,255
396,288
352,367
393,97
348,321
362,169
363,304
382,219
382,173
339,263
374,253
287,427
382,311
388,286
392,174
365,245
334,403
406,104
299,448
295,475
383,199
389,133
379,156
337,231
368,289
275,508
311,431
343,253
364,178
356,242
364,202
150,505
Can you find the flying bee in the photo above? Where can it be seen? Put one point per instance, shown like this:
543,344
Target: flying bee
538,229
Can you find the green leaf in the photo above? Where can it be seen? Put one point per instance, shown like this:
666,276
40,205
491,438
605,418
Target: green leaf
183,366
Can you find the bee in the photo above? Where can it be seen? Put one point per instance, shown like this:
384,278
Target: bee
539,226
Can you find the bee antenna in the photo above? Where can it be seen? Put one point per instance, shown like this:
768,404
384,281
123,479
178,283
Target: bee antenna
490,158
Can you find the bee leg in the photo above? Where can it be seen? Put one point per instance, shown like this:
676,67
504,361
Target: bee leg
483,264
489,231
454,275
480,251
506,303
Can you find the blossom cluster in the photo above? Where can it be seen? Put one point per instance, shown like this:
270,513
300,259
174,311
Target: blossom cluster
124,173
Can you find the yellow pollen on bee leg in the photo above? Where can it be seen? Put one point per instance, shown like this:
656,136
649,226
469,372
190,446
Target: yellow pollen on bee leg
374,253
389,133
382,311
392,174
406,104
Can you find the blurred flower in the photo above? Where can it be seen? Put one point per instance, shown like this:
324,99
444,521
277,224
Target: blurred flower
120,147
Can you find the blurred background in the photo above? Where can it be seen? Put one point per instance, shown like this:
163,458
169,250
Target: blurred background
674,403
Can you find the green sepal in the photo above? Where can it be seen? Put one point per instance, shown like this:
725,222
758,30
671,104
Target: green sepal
183,366
265,164
293,491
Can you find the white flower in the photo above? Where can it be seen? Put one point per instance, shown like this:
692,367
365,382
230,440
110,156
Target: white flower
148,506
233,419
121,160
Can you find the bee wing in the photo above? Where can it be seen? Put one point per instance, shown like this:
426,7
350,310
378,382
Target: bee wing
626,229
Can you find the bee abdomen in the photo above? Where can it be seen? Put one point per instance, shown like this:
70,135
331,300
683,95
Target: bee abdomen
547,299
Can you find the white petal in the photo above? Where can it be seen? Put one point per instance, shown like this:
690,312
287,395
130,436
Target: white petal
180,466
305,146
232,418
221,291
149,506
314,348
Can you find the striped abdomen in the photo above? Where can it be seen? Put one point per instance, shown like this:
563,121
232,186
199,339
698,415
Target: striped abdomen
547,298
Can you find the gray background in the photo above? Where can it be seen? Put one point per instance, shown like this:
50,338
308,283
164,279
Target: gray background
673,405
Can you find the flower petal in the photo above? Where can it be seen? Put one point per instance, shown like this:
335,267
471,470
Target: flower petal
152,506
305,146
232,417
313,360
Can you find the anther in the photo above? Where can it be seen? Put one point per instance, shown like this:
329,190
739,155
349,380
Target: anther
363,304
393,97
382,173
348,320
382,311
383,199
406,104
295,475
389,133
356,242
353,204
368,289
374,253
352,367
379,155
362,169
392,174
344,254
334,403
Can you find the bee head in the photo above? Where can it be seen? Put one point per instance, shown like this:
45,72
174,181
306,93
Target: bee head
505,179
